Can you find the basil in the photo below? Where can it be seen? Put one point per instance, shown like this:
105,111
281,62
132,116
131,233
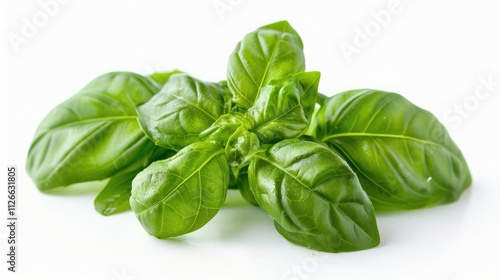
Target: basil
170,146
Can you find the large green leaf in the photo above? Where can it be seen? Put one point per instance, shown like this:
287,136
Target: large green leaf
183,108
93,135
402,154
314,197
270,52
180,194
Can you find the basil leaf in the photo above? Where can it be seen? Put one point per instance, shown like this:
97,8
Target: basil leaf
244,187
225,126
93,135
115,195
309,82
180,194
241,146
278,112
183,108
314,197
403,155
270,52
162,78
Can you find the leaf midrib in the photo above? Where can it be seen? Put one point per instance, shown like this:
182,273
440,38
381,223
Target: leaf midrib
82,142
90,120
197,106
183,181
380,135
268,65
279,117
336,206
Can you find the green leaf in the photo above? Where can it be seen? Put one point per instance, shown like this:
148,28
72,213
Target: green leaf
403,155
182,109
270,52
241,146
244,187
115,195
181,194
309,82
314,197
162,78
231,131
225,126
93,135
278,112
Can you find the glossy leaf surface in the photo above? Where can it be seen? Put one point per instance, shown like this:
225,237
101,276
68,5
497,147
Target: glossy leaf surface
183,108
116,194
241,146
244,187
309,81
181,194
403,155
225,126
314,197
278,111
270,52
93,135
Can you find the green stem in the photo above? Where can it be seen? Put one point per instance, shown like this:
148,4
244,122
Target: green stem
321,98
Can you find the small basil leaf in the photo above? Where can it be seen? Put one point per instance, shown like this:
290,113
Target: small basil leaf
403,155
244,187
115,195
314,197
278,111
241,146
162,78
225,126
180,194
93,135
183,108
309,82
268,53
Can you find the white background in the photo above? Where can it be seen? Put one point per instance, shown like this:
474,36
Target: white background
435,53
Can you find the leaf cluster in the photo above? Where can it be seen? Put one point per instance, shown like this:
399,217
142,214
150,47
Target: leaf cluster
170,146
